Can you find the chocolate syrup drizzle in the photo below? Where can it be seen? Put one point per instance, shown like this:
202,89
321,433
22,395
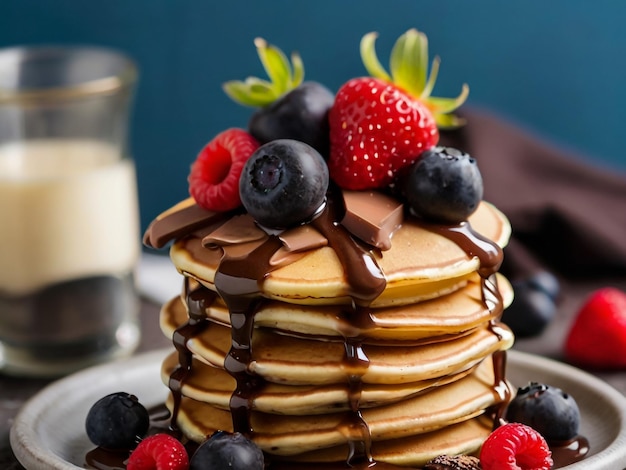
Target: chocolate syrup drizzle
490,257
239,282
197,301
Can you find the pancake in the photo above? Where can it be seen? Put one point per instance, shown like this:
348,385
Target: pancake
452,314
215,386
288,435
412,451
421,264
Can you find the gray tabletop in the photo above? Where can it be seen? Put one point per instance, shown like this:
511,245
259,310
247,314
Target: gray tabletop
15,392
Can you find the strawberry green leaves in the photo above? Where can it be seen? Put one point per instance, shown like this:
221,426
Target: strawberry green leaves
408,64
284,76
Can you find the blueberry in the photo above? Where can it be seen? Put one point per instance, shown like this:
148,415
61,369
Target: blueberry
283,183
549,410
443,185
227,451
301,114
533,306
117,421
545,282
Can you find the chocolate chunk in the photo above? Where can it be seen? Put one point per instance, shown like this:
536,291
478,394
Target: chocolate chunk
457,462
178,221
372,217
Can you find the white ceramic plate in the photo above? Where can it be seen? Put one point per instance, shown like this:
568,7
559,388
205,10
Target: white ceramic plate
48,433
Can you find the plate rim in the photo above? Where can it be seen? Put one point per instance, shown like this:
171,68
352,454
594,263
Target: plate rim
26,441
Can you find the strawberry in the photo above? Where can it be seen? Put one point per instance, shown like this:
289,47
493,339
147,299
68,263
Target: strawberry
597,337
159,452
382,123
214,176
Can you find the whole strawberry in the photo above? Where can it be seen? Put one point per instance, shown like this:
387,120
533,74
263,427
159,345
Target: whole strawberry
382,123
597,337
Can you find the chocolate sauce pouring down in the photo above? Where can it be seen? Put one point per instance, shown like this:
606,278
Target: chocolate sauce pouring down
197,301
366,282
239,281
490,257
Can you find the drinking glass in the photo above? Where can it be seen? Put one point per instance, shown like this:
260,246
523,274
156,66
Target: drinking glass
69,225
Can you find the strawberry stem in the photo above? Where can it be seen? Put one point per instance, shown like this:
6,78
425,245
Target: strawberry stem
370,59
408,63
283,76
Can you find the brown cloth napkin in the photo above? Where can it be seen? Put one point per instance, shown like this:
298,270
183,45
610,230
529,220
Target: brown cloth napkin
568,216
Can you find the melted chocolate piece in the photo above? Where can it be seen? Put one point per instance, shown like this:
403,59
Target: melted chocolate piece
180,221
372,216
364,277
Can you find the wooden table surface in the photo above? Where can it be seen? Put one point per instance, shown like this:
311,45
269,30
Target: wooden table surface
14,392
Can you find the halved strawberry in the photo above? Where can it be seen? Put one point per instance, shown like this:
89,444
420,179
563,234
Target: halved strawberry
214,176
597,337
381,124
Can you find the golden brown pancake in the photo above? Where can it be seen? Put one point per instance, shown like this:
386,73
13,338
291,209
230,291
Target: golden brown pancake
452,314
420,264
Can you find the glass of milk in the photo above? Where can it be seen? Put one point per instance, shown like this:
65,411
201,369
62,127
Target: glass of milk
69,225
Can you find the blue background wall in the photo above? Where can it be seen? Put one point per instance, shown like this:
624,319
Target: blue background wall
557,68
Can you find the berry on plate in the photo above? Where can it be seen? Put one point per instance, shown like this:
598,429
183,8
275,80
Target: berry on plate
159,452
117,421
443,185
534,304
214,176
288,108
515,446
382,123
284,183
227,450
597,337
547,409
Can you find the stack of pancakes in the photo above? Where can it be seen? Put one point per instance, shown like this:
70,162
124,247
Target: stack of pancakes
348,339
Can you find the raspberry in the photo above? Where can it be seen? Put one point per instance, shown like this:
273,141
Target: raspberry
159,452
214,176
515,446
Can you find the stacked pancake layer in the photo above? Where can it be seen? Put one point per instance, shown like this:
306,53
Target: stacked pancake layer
336,341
